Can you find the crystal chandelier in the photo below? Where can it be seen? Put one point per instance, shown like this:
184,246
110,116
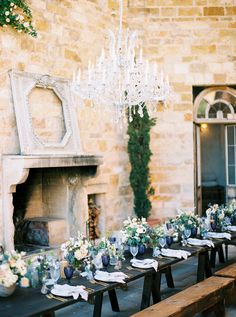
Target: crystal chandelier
121,80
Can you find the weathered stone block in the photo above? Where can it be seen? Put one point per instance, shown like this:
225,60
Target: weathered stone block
213,11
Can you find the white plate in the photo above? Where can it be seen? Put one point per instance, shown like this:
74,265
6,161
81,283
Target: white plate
60,292
104,279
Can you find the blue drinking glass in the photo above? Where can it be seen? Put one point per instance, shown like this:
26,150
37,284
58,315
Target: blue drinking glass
69,271
105,261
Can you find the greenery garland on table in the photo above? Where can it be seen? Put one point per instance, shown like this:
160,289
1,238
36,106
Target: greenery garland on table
139,156
17,14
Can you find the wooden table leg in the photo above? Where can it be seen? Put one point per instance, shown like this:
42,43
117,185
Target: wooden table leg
204,266
156,287
169,277
147,288
208,271
221,254
213,257
113,300
97,311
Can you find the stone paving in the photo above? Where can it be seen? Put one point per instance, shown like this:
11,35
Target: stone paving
184,275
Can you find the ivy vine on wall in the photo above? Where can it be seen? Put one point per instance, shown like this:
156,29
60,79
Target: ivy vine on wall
17,14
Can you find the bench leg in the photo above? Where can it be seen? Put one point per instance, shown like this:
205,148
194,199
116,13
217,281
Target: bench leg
97,311
147,289
169,277
113,300
218,309
156,288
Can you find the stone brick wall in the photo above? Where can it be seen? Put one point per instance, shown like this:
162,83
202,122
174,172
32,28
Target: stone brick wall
194,41
191,40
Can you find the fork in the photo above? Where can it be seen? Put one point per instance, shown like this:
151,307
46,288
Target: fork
92,281
50,296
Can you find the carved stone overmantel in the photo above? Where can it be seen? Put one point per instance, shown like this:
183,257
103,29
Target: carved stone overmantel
16,170
22,85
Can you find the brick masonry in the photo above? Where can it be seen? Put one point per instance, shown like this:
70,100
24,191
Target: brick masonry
194,41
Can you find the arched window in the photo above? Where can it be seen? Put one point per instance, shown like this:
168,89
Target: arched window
215,104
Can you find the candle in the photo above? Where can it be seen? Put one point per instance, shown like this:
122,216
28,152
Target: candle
141,55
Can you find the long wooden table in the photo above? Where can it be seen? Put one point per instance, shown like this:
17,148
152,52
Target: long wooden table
29,302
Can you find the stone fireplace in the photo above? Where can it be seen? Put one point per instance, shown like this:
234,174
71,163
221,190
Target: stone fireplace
46,187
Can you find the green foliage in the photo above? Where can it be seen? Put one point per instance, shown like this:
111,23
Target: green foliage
17,14
139,156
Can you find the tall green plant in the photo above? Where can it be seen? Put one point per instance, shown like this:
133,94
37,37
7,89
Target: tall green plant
139,156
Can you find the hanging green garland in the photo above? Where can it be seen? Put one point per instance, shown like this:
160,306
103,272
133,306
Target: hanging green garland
139,156
17,14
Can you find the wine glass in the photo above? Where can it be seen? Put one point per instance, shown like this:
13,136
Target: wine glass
187,233
162,241
68,270
55,272
133,250
105,260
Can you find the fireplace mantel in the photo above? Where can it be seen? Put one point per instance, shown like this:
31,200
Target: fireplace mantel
15,170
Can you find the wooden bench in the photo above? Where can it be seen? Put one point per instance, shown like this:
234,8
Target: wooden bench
208,295
229,272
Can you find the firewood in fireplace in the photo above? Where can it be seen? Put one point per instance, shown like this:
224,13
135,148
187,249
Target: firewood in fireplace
93,220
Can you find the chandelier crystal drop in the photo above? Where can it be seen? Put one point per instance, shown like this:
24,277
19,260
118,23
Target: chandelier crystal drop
122,79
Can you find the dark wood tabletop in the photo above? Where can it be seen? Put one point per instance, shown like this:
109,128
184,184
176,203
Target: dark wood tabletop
28,302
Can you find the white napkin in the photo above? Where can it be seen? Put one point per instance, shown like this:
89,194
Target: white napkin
231,228
175,253
220,235
145,263
69,290
110,277
194,241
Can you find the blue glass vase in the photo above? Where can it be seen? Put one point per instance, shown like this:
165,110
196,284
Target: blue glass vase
169,240
68,271
193,232
141,249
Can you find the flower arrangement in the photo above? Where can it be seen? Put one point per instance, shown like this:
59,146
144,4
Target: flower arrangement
17,14
156,233
136,231
216,216
230,211
186,220
75,250
12,268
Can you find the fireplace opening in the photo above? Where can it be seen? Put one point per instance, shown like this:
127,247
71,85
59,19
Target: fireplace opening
50,206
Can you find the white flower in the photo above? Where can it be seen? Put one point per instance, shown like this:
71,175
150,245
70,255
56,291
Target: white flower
26,24
8,20
12,4
7,13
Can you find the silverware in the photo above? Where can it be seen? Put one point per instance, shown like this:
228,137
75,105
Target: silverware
50,296
98,282
89,290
